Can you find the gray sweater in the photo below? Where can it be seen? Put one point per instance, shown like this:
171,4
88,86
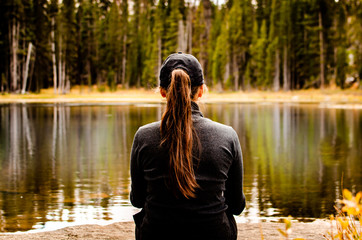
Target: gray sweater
219,172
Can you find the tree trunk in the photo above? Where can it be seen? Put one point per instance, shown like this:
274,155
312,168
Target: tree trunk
89,75
60,66
55,80
159,60
64,75
277,71
14,42
226,75
207,16
189,31
207,5
27,68
124,59
32,70
67,86
23,62
321,45
286,86
235,73
181,40
333,81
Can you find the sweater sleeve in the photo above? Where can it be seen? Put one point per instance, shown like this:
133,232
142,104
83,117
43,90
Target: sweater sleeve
234,195
138,183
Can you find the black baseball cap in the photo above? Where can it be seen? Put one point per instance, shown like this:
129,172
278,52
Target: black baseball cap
183,61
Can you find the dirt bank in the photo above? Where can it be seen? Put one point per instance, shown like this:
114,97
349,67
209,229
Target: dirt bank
125,231
351,97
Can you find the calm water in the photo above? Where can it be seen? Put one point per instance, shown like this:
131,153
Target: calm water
67,164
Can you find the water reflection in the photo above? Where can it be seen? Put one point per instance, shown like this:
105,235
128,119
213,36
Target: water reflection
296,156
69,163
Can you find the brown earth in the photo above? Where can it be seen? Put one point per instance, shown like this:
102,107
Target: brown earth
125,231
352,98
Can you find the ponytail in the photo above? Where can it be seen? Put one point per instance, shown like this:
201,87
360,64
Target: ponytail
178,135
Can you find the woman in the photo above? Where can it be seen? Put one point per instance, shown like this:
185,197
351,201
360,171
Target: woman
186,170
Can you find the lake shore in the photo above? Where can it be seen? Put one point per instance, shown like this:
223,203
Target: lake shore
350,97
125,231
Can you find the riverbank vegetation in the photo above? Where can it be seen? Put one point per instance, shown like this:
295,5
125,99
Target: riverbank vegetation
241,44
93,94
348,222
346,225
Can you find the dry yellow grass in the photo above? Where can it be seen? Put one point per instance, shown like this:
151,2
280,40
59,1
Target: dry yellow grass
152,96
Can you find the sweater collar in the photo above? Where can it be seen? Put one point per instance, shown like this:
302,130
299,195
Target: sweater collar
195,109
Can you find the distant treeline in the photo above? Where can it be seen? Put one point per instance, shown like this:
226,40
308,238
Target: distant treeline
241,44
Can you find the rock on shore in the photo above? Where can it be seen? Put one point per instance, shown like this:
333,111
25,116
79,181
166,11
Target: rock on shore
125,231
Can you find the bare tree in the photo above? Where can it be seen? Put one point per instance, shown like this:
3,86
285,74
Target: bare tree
14,43
55,78
26,71
321,46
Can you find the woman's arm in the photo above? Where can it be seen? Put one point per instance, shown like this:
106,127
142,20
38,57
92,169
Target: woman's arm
138,183
234,194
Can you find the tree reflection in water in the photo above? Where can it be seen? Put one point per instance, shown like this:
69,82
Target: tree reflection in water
70,163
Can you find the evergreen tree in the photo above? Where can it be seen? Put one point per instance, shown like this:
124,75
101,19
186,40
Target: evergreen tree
113,56
272,68
152,32
220,59
285,26
267,44
124,38
172,26
258,54
42,64
68,49
340,45
235,38
135,48
201,34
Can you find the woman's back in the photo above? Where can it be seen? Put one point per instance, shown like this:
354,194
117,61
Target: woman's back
218,169
186,170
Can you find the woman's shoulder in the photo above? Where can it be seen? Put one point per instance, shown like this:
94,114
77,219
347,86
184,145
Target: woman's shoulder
150,126
211,126
149,130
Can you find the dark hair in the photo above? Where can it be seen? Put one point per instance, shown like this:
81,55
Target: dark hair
178,134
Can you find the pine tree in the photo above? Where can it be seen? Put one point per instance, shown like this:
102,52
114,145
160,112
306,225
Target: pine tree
354,37
201,34
124,39
235,37
68,47
258,52
214,33
285,41
340,43
101,68
220,59
135,54
42,48
152,33
53,12
172,26
113,47
273,52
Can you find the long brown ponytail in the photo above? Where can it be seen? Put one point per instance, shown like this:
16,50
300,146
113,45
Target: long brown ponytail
178,135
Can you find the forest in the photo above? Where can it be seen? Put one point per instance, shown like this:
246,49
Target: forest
274,45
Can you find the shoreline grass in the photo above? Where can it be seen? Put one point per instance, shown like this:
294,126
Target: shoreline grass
335,96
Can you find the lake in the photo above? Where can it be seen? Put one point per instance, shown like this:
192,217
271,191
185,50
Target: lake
68,164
